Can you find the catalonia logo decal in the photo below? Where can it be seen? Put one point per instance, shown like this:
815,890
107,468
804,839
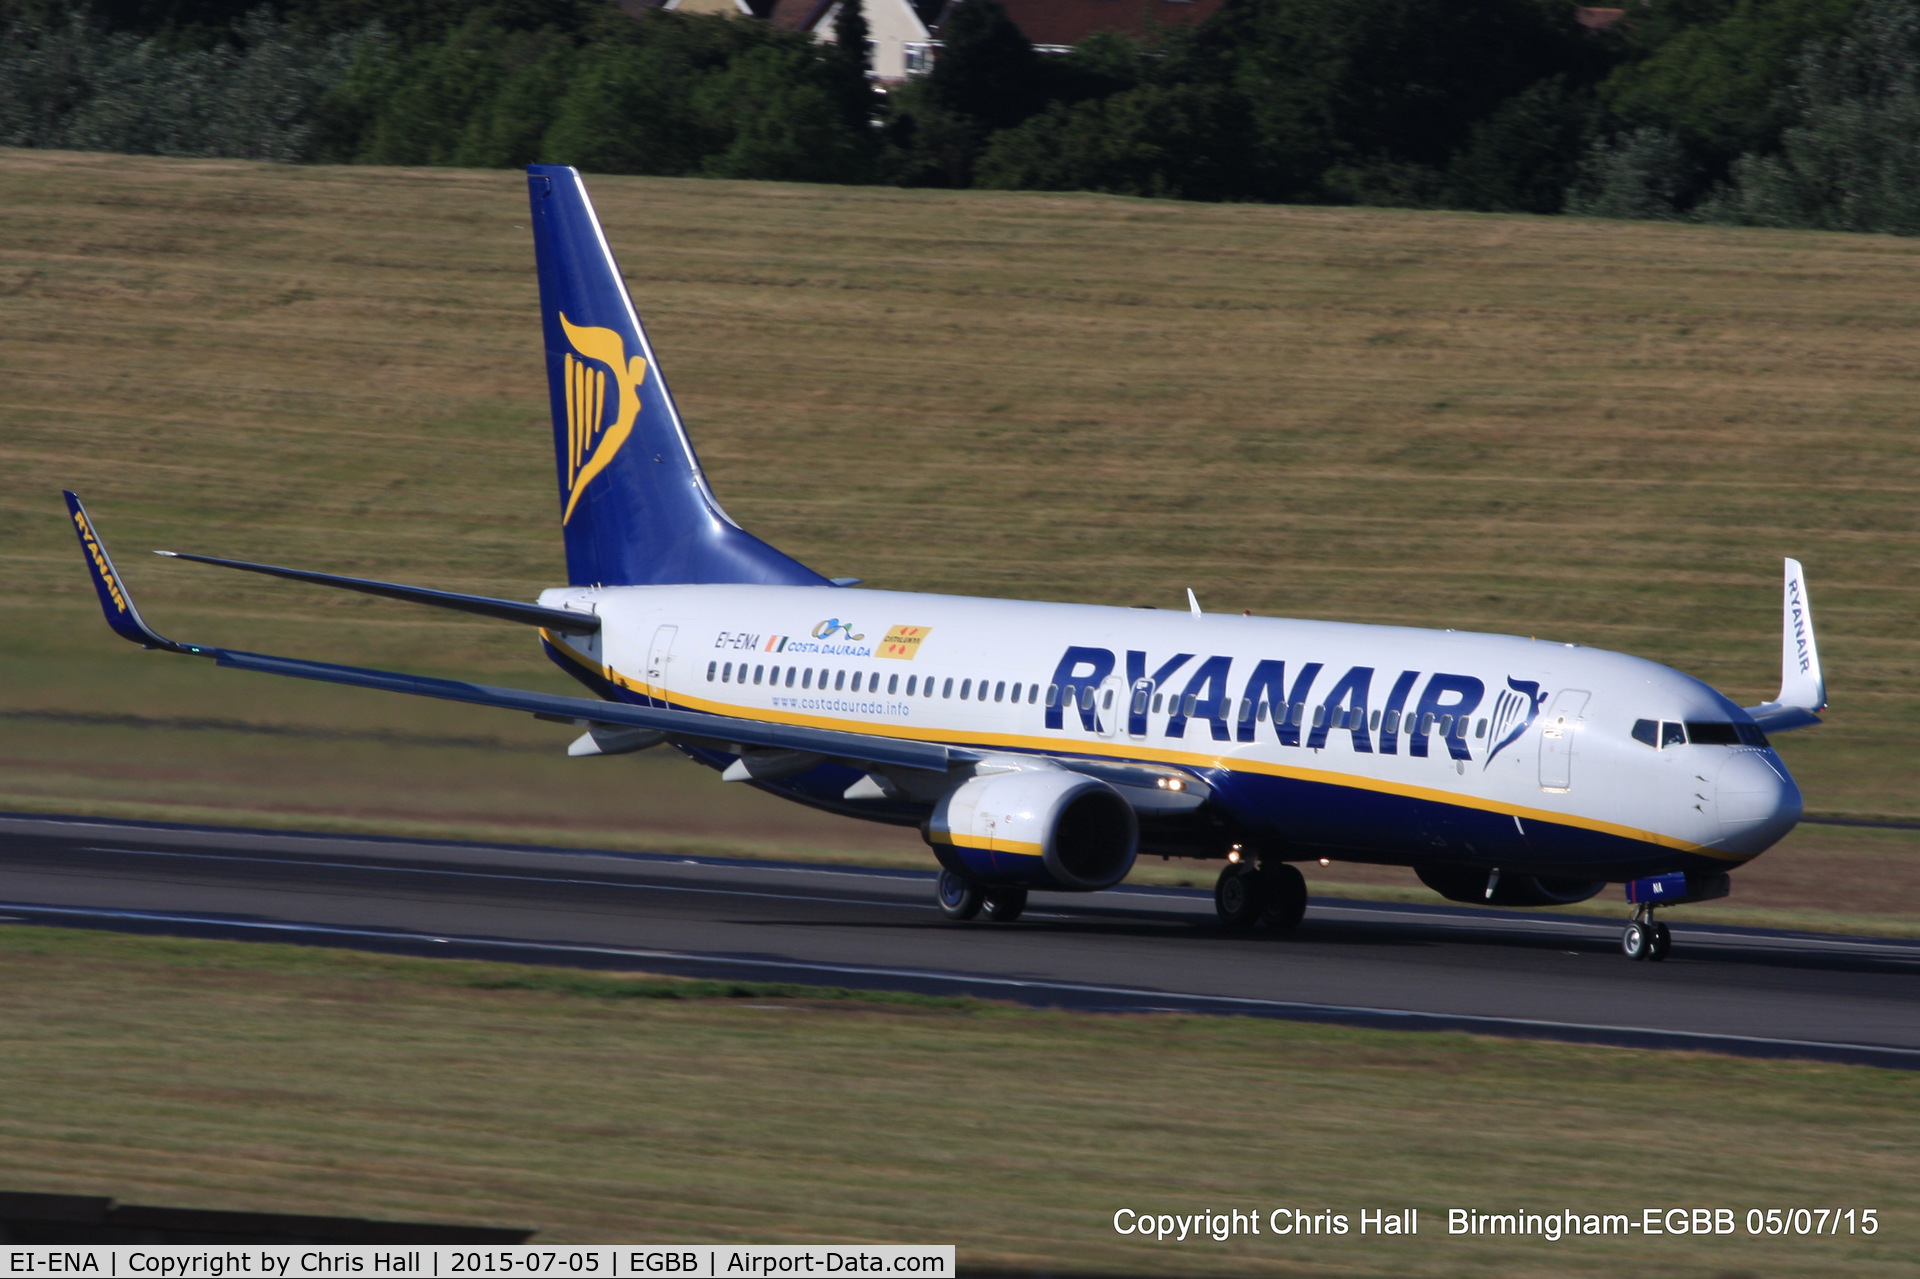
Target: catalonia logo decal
903,642
592,440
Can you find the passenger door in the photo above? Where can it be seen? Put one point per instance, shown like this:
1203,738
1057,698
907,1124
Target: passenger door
1557,736
659,662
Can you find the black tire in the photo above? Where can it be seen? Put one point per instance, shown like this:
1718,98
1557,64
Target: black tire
1637,941
1003,905
1285,891
1237,897
1660,943
960,899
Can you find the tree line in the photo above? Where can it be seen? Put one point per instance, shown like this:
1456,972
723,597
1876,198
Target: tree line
1765,112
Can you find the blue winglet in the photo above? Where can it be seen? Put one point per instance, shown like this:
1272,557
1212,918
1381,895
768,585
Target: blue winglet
115,601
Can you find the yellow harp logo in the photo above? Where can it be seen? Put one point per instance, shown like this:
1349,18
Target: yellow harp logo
591,439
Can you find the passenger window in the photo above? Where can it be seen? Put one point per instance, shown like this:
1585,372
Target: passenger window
911,681
1446,726
1646,732
966,687
1106,703
1053,694
1480,729
1246,710
1671,734
839,680
1376,721
791,672
726,676
1320,715
773,675
1392,722
999,691
711,668
1299,713
893,685
1426,725
1261,714
1191,704
1139,701
1086,697
947,689
1015,695
1156,702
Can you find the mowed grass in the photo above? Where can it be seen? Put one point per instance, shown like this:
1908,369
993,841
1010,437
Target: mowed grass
1598,432
617,1108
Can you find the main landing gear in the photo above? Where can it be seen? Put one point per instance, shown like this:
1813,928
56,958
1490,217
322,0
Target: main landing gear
1645,937
961,899
1272,895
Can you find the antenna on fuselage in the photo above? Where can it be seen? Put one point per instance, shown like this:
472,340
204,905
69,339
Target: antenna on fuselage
1193,602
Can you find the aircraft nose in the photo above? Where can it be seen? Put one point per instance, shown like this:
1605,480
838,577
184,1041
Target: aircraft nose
1758,802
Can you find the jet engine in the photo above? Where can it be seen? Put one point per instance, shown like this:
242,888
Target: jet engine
1041,828
1470,883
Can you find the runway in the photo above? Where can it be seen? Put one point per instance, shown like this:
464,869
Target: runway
1725,989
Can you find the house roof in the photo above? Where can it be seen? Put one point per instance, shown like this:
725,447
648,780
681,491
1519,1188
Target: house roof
798,15
1068,22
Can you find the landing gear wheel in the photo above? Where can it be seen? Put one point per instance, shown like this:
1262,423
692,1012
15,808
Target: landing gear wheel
1637,941
1660,943
960,899
1285,890
1003,905
1237,896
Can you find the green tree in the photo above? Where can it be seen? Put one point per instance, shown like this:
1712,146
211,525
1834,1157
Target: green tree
1851,159
1178,141
1715,72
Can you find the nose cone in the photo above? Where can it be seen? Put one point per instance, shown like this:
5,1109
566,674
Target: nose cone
1757,801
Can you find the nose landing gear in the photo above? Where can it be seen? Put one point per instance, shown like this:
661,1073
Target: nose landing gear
1645,937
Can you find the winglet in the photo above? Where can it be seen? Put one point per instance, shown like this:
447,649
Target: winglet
1803,688
115,601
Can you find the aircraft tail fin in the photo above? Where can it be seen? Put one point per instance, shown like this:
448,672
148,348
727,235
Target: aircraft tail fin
1803,686
634,503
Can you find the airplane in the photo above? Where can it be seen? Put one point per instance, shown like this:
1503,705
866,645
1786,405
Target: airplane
1043,746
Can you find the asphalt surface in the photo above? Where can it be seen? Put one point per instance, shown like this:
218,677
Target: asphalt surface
1725,989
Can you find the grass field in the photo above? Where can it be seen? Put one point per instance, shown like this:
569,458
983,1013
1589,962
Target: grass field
1602,432
599,1107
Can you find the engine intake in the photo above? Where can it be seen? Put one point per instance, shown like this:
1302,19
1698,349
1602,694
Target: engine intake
1045,828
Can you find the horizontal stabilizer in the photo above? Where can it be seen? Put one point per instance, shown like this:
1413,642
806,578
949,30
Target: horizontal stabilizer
555,619
1803,687
720,731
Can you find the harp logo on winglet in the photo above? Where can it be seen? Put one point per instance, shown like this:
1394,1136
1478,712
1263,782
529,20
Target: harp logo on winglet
593,438
99,559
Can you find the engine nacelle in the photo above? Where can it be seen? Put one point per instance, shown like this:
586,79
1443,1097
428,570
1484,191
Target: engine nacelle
1469,884
1045,828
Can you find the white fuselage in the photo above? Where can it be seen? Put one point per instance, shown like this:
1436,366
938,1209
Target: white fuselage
1376,742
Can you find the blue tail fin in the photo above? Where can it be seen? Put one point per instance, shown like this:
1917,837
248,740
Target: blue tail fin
634,503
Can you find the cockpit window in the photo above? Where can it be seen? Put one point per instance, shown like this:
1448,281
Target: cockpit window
1709,733
1671,734
1647,732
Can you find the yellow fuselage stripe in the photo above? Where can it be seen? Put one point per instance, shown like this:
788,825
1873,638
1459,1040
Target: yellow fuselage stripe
1135,752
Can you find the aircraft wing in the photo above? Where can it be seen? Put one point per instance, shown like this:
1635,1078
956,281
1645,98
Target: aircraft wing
723,731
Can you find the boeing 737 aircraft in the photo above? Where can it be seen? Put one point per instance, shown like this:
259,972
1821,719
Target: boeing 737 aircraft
1046,746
